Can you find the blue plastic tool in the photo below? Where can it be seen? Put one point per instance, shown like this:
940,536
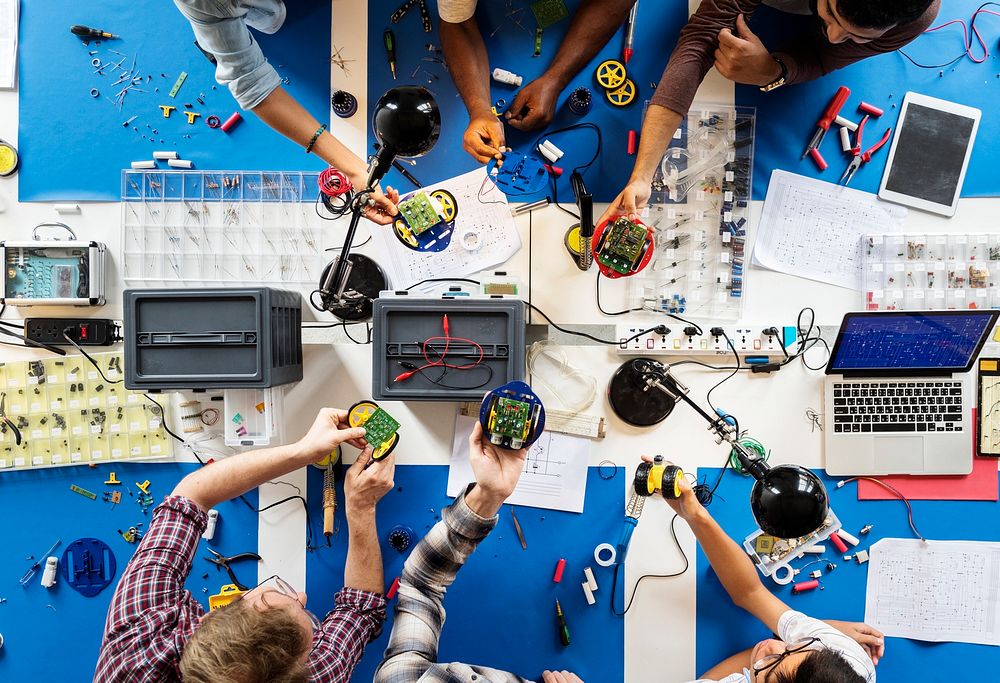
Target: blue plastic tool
88,565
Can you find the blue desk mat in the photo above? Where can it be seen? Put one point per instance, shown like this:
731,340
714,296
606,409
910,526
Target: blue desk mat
61,642
74,146
787,116
501,608
511,48
723,629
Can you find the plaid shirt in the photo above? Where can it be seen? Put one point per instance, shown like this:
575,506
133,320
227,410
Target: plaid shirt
152,616
430,569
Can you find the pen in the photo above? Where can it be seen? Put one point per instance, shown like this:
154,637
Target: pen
630,33
563,629
389,38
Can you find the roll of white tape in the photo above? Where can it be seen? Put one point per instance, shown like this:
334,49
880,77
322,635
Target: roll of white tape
605,548
785,578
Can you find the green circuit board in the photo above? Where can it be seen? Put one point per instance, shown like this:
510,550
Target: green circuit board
419,213
380,428
510,418
623,246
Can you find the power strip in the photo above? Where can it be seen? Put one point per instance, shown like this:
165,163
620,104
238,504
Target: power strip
84,331
763,341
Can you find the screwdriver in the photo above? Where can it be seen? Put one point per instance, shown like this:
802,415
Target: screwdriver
87,32
823,125
389,38
563,629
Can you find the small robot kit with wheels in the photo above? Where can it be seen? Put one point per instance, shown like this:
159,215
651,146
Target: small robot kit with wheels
381,428
512,416
52,273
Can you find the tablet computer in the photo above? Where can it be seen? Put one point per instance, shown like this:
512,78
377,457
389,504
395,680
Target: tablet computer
929,154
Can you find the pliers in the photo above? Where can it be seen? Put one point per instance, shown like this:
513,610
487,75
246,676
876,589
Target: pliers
7,422
220,560
862,157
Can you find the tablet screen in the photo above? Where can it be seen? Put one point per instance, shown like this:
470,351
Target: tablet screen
930,154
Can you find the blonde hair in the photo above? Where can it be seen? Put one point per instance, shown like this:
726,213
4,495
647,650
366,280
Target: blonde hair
241,644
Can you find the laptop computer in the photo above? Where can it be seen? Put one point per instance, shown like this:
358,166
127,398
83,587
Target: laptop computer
898,397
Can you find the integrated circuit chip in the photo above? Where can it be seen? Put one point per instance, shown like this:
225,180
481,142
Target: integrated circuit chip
380,428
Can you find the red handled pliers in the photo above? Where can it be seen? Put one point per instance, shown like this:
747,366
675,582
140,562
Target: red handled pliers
862,157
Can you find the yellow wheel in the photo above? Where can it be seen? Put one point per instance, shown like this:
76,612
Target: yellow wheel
611,74
623,95
404,233
385,449
360,412
328,460
448,204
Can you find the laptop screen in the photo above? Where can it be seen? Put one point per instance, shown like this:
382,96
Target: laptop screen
935,342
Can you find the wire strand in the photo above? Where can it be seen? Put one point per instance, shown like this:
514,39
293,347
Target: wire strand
635,589
893,490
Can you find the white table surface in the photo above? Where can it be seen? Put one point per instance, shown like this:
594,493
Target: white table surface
662,624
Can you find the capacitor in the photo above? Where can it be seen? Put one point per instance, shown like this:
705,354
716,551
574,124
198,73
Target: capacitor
51,570
213,519
507,77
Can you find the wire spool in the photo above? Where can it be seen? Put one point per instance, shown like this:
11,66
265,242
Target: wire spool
754,445
191,417
344,104
333,183
9,160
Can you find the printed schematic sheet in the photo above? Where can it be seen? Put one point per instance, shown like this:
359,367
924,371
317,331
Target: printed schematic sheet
940,591
813,229
555,471
484,235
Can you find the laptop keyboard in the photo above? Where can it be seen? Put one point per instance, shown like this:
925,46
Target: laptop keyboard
897,407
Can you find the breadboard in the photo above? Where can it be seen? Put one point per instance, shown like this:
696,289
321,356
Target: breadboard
221,227
699,210
560,421
68,415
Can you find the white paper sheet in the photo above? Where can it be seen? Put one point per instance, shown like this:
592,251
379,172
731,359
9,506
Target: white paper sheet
941,591
812,229
555,471
8,42
482,208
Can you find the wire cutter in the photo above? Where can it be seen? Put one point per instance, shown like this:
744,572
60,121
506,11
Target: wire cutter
7,422
862,157
220,560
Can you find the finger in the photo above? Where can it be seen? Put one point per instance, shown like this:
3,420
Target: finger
376,216
629,203
742,30
351,434
393,195
360,444
517,107
476,437
362,461
497,137
382,202
572,677
727,39
536,118
482,151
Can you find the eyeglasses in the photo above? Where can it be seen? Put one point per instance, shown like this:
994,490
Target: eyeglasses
770,661
278,584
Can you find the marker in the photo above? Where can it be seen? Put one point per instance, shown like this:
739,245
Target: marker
389,38
563,629
630,33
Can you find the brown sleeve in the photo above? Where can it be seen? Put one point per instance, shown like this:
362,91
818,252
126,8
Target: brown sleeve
810,59
695,51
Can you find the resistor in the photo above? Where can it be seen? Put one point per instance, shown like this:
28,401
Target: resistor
191,417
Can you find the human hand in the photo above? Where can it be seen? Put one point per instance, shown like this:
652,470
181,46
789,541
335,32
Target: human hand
328,431
366,482
484,138
871,639
743,58
560,677
686,505
497,470
535,105
629,201
383,211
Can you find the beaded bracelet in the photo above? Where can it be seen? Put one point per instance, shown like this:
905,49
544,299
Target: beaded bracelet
315,137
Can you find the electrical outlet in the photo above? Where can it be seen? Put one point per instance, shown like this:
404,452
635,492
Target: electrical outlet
764,341
84,331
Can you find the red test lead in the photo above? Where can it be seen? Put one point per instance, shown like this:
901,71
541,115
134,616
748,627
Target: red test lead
823,125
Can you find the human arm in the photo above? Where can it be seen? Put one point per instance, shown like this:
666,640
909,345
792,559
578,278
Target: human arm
359,608
593,25
870,639
734,664
221,30
469,66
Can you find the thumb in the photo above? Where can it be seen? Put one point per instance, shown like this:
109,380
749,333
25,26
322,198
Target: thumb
364,457
353,433
516,107
743,31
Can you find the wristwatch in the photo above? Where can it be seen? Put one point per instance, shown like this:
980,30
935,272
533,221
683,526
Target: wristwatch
780,80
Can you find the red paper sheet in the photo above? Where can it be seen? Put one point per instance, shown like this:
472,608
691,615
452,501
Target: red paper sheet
981,484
